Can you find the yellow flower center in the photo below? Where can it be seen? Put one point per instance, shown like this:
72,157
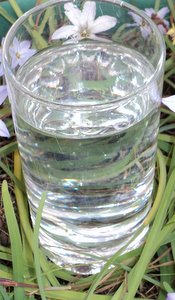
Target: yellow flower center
18,55
171,32
85,33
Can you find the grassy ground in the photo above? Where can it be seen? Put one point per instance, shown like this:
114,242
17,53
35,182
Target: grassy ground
25,273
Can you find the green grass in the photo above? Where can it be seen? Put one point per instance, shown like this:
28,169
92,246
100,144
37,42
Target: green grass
25,272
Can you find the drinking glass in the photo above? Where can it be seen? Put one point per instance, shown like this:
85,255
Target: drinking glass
85,80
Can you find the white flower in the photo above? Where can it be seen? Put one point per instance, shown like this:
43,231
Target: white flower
3,130
158,18
85,26
20,52
141,23
169,102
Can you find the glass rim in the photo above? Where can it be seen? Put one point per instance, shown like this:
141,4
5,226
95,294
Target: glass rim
22,88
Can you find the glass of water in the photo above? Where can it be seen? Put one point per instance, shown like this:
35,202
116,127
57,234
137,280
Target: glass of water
85,82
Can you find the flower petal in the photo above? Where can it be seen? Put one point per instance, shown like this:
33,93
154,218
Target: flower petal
166,23
88,13
15,44
2,41
73,13
15,61
145,31
163,12
3,130
136,18
64,32
170,103
1,67
25,56
170,296
24,46
162,29
103,23
1,70
150,12
3,93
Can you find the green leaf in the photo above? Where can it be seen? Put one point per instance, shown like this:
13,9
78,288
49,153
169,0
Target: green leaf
16,245
7,149
3,294
151,246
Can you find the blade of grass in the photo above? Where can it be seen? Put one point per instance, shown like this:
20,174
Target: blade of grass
4,294
173,249
160,189
72,295
7,149
168,120
172,164
167,127
15,238
169,63
12,176
5,249
16,8
169,45
45,20
145,277
170,73
165,271
24,219
39,40
157,5
6,274
167,111
5,256
170,83
164,146
172,8
166,137
109,263
151,245
6,16
36,246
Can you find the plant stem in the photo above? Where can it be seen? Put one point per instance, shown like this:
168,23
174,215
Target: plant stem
16,8
172,8
157,5
170,62
6,16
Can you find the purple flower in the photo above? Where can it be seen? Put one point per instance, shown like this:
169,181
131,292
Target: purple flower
20,52
3,88
158,18
3,130
141,23
3,93
1,67
170,296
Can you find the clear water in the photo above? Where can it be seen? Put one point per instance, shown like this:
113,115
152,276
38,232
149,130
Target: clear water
92,152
